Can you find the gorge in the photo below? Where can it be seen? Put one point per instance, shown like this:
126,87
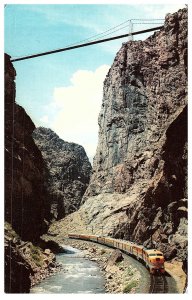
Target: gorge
138,186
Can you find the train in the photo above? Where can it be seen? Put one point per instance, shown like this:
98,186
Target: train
153,259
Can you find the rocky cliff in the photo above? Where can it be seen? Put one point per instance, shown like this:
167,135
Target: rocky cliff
68,174
25,195
138,189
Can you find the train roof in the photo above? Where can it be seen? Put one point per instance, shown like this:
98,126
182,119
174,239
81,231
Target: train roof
153,251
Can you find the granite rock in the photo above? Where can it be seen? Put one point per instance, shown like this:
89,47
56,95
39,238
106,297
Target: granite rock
25,192
139,175
68,172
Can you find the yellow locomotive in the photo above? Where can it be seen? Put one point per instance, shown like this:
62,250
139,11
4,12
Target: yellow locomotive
153,259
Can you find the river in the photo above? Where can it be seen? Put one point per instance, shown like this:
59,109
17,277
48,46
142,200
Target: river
79,275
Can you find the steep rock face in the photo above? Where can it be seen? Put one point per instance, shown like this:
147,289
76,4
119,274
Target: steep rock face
25,195
142,149
143,92
24,185
68,171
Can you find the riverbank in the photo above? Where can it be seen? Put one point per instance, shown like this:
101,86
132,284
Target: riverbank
78,276
122,274
45,267
119,272
127,276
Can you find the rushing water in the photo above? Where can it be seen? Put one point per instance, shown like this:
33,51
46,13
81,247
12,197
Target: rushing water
79,275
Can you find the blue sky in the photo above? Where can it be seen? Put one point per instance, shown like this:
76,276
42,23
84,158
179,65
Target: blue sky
64,91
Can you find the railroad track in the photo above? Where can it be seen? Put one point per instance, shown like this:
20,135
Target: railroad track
158,284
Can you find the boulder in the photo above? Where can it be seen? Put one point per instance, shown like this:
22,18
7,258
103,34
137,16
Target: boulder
115,257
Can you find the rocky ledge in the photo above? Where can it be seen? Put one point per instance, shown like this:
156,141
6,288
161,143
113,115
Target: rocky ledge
26,264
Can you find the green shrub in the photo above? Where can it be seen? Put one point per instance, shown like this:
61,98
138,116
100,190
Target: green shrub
130,271
36,256
37,260
129,286
102,251
35,250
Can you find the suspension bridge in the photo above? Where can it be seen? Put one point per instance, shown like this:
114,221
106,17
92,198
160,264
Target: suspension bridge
99,38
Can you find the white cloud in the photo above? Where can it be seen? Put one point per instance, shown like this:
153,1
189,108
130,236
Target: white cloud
78,107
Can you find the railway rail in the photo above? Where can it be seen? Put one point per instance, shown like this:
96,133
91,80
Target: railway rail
159,284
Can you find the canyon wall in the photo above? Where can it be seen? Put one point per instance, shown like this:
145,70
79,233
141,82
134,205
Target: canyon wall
68,172
25,197
25,193
138,189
